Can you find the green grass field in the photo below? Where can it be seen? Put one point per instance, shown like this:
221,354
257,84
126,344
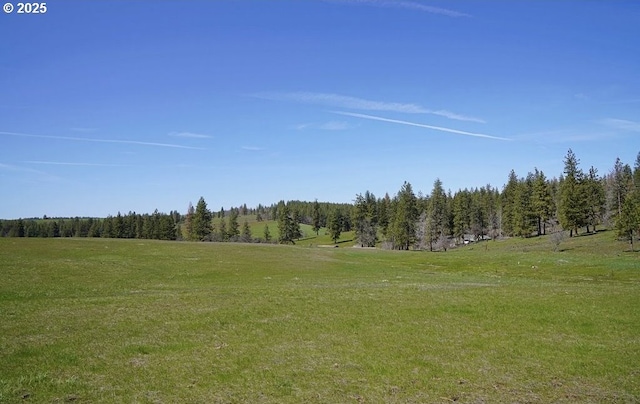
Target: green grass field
95,320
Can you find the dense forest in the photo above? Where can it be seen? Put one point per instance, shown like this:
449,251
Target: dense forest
533,205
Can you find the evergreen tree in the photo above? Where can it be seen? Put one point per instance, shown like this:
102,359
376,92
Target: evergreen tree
140,226
170,228
130,225
148,226
461,214
541,201
94,230
201,224
524,218
335,225
287,227
620,185
594,194
191,211
315,218
636,172
508,203
223,235
17,229
267,233
478,214
489,201
572,201
365,219
246,233
118,226
628,221
436,218
384,212
54,229
107,227
233,229
405,218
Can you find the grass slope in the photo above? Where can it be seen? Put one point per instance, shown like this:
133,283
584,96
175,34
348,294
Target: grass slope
94,320
309,237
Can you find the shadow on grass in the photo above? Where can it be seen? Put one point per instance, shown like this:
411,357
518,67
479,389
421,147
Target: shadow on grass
345,241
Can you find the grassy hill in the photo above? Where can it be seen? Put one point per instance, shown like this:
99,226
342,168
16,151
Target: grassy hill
309,237
95,320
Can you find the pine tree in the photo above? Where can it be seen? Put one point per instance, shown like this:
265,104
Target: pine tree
17,229
365,219
233,230
508,201
118,226
541,201
384,212
405,218
191,211
94,230
524,219
246,233
620,185
436,219
201,225
490,203
267,233
629,220
461,214
107,227
479,218
223,235
287,227
54,229
335,225
636,172
315,217
594,194
572,201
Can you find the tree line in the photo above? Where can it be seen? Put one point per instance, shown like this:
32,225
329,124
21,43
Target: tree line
159,226
527,206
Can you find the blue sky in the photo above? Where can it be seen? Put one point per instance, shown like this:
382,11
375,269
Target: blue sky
110,106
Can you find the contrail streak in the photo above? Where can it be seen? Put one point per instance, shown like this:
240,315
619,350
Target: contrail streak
420,125
80,139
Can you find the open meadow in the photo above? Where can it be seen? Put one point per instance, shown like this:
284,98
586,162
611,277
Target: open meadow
108,320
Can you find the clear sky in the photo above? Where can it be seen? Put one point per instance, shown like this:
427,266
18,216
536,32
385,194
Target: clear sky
110,106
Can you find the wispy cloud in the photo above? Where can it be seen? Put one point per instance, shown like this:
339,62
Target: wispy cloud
66,163
331,125
81,139
411,5
420,125
251,148
335,125
17,169
189,135
348,102
621,124
85,130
